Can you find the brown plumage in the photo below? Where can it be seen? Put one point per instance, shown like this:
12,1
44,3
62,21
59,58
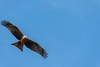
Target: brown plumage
23,39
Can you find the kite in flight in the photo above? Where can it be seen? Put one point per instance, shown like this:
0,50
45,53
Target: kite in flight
24,39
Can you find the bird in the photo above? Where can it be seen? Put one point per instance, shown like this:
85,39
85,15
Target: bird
23,39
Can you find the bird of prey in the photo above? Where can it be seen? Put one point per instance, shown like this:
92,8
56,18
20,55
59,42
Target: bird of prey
23,40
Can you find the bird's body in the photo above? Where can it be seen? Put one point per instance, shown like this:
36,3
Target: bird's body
24,40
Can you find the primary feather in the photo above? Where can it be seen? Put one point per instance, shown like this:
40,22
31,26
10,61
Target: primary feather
36,47
13,29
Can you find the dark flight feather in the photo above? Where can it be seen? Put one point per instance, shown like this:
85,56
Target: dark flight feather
13,29
35,47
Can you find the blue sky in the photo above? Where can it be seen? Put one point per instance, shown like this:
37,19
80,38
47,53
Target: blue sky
69,30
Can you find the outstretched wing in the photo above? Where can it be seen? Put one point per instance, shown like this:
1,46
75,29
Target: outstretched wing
36,47
13,29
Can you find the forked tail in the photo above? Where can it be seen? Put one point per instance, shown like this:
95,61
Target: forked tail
18,45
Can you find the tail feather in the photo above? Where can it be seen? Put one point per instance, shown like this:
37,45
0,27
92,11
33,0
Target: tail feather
18,45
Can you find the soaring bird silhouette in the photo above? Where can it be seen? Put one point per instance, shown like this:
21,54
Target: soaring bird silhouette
23,40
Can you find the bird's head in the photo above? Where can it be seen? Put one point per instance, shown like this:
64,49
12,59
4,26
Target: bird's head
24,37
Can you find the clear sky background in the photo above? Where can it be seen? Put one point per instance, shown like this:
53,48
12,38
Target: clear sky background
69,30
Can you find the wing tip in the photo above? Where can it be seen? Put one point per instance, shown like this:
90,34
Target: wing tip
4,22
44,54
